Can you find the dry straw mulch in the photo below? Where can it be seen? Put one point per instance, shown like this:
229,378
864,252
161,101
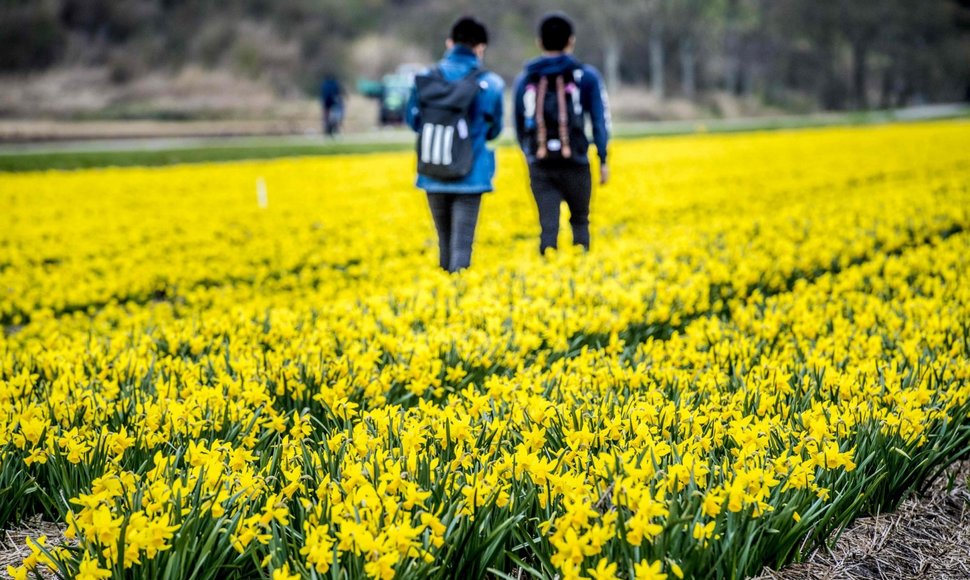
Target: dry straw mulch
13,543
928,537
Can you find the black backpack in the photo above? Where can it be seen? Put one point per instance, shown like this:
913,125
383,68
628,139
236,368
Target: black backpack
554,120
444,141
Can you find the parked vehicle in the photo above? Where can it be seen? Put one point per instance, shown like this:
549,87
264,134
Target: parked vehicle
391,93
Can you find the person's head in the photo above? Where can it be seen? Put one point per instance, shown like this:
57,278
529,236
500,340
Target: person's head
556,33
469,32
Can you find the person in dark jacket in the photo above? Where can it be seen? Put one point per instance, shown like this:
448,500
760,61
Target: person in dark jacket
332,101
455,203
556,153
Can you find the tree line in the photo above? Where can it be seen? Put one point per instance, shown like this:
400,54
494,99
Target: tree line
820,54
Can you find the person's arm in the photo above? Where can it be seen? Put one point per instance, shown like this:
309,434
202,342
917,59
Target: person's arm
412,114
599,112
517,108
496,114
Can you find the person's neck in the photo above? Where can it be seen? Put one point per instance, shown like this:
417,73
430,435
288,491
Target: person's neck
553,53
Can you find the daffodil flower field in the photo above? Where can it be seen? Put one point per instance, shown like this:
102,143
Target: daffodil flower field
769,338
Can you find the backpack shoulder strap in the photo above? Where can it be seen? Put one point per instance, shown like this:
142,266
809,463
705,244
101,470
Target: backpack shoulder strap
475,75
435,91
437,73
474,78
554,83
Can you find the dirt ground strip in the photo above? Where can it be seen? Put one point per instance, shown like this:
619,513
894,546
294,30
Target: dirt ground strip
928,537
13,543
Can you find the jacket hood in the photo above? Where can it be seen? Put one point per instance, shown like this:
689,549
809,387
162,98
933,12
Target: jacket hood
458,62
548,65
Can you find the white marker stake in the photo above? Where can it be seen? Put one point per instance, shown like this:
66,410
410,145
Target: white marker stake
262,198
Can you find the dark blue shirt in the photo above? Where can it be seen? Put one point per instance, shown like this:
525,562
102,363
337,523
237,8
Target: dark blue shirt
330,92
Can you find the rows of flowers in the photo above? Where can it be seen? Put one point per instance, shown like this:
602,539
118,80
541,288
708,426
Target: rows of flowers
768,339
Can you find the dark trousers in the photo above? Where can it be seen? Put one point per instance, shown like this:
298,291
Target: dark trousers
333,115
455,216
552,185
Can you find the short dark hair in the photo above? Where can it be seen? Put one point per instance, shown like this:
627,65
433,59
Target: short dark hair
469,31
555,30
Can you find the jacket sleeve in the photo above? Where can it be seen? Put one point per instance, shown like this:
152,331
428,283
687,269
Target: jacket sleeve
412,115
599,110
496,106
517,108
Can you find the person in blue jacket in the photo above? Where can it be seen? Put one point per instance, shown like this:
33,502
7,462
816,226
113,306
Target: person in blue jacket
455,203
332,102
554,140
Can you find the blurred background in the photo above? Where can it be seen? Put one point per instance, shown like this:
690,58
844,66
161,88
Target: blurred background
88,68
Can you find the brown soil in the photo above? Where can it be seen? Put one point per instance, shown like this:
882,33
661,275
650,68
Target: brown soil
13,543
928,537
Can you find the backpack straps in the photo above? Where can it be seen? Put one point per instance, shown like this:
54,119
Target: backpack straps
541,118
563,117
476,72
542,132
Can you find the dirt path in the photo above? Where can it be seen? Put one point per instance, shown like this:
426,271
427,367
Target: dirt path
28,136
13,543
927,538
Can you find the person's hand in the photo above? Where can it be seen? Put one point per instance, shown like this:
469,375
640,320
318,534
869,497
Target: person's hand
604,173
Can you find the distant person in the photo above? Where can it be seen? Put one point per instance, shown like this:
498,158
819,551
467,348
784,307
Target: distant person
553,96
456,107
332,99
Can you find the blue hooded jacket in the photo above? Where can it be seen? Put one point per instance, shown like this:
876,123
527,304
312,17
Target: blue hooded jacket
486,122
592,97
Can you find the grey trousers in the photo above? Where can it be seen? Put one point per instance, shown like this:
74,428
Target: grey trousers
552,185
455,217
